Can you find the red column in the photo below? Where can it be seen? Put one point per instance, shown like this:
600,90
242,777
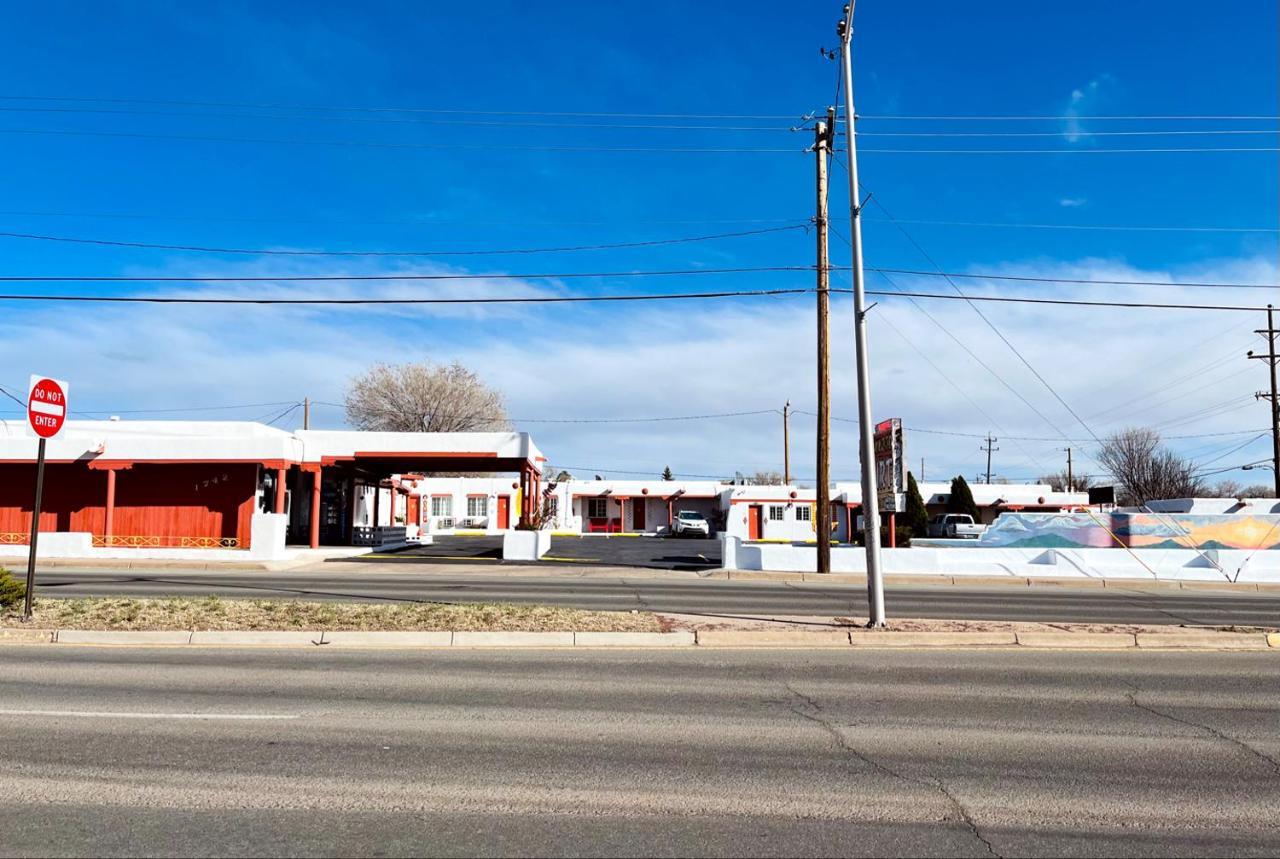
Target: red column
622,515
315,509
392,519
109,526
670,517
280,475
526,481
893,530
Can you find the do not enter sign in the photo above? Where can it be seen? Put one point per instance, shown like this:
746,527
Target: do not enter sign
47,406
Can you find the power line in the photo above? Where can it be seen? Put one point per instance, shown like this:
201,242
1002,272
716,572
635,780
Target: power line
615,114
489,147
566,299
433,110
387,277
374,144
1087,227
413,222
1070,134
1064,117
187,409
661,419
1076,280
415,120
1063,151
992,326
1061,301
499,252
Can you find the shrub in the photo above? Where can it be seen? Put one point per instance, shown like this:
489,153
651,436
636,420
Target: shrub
12,591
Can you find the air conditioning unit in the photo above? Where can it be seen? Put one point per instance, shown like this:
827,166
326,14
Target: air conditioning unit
445,522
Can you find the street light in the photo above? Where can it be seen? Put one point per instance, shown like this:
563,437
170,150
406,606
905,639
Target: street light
1257,465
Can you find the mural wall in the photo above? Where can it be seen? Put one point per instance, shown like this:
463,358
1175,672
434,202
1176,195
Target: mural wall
1134,530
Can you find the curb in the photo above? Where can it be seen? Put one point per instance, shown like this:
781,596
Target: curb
727,638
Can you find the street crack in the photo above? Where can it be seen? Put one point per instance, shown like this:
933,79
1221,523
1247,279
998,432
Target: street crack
807,707
1214,732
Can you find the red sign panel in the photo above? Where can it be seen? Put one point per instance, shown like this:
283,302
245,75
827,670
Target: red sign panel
47,406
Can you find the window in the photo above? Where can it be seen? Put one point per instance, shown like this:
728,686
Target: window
598,508
477,506
441,505
804,513
777,512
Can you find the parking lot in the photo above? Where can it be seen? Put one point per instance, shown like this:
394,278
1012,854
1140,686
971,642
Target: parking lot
669,553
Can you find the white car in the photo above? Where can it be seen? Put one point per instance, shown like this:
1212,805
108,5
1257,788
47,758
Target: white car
690,523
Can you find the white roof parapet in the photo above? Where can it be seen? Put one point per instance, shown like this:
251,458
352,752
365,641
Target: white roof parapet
346,443
160,441
197,441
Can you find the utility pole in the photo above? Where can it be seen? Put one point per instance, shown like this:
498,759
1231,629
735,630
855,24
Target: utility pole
786,443
821,141
1270,357
866,440
306,413
989,448
922,469
1071,484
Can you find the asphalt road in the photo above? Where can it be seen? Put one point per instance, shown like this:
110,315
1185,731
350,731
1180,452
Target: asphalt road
666,553
123,751
691,595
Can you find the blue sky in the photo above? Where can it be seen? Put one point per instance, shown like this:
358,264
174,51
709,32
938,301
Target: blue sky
754,59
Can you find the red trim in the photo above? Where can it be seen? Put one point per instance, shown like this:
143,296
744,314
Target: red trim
783,501
477,494
109,527
395,454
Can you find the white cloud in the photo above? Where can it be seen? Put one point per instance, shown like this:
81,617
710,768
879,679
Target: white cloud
1072,202
1083,102
689,358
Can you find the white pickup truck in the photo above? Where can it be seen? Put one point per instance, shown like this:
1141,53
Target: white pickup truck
957,525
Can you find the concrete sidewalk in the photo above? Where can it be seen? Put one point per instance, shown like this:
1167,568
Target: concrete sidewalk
1209,640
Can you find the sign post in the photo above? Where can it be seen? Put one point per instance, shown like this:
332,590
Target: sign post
46,412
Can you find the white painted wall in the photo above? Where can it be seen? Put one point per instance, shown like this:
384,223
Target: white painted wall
1149,564
458,490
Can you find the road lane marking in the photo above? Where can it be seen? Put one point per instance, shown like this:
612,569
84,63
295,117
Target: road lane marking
103,714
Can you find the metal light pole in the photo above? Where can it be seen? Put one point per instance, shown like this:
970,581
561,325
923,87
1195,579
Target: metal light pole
870,503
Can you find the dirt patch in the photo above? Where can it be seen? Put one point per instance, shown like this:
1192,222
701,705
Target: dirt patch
213,613
685,622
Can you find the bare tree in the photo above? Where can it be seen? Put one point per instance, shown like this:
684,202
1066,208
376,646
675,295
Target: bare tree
424,397
1224,489
1144,471
1059,483
765,478
1257,490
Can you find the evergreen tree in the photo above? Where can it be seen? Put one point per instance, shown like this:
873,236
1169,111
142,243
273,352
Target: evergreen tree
667,475
961,499
917,515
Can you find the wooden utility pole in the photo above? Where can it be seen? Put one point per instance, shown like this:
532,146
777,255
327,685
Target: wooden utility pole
1270,357
1071,484
822,527
989,448
786,443
306,413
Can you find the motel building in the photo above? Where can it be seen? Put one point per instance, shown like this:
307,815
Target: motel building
167,488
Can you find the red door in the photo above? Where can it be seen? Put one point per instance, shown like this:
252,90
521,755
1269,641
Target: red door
504,511
754,513
414,507
637,515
